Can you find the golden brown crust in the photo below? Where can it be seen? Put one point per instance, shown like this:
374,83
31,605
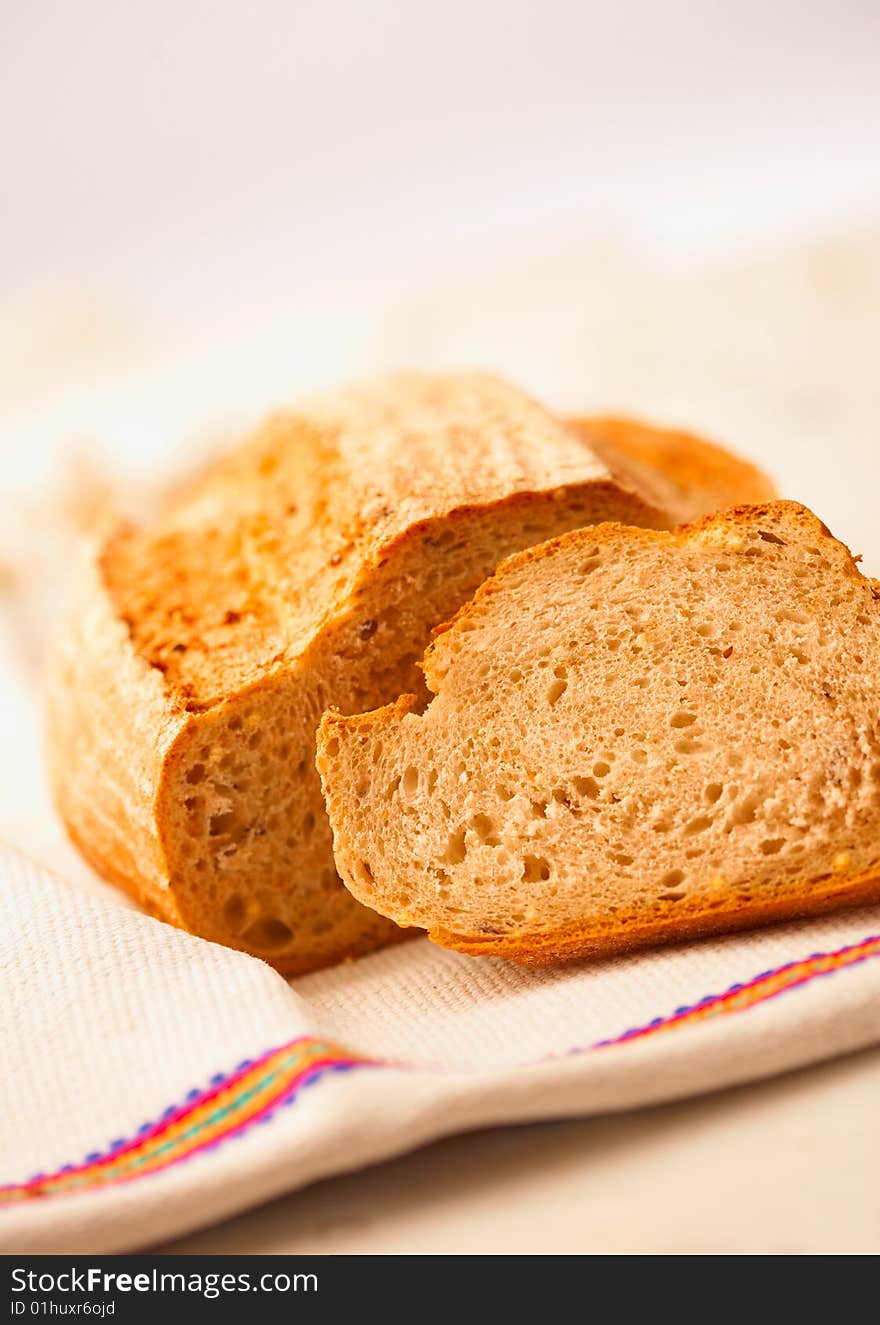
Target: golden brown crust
682,471
280,537
693,919
108,718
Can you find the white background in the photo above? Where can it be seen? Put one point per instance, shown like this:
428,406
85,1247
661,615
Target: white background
207,159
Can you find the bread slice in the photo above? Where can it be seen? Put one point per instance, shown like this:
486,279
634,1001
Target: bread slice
306,569
635,736
683,473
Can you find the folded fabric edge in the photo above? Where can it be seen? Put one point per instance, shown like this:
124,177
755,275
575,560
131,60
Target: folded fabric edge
251,1094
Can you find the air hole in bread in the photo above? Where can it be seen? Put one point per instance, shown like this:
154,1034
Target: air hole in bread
713,792
744,813
768,537
235,913
561,797
588,787
515,675
601,769
456,849
196,774
590,565
682,719
267,934
771,845
556,691
688,745
484,827
331,747
535,869
220,825
672,878
409,782
698,825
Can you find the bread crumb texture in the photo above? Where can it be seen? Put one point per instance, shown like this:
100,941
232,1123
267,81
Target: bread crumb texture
635,736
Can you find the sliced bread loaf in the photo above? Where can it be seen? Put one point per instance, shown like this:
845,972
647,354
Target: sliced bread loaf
304,570
634,736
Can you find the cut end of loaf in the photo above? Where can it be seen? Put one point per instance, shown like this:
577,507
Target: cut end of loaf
635,736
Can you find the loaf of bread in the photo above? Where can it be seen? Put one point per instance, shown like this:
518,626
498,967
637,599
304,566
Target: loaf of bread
634,736
305,570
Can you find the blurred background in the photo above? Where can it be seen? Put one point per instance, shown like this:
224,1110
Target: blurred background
670,210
